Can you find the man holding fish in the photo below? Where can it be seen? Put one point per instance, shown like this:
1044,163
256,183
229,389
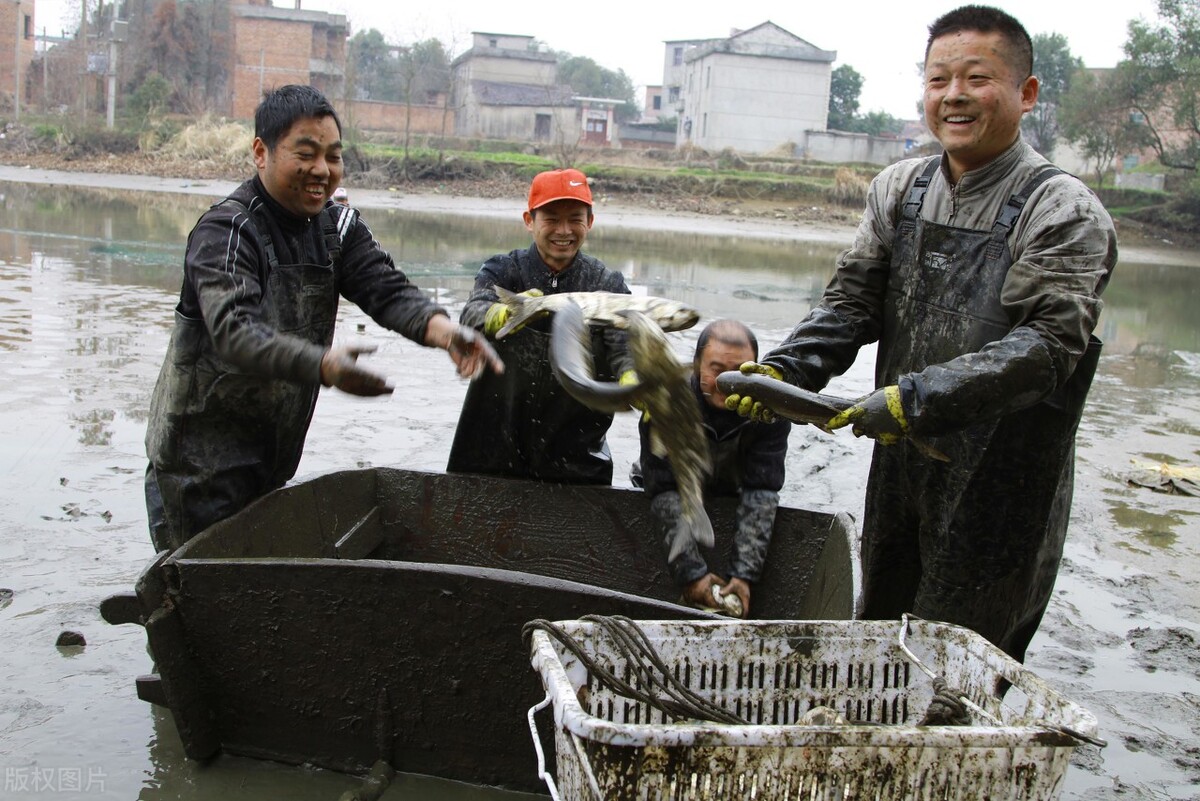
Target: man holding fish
979,273
523,424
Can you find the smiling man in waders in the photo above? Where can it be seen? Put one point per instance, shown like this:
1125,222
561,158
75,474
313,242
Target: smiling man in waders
252,342
523,424
979,273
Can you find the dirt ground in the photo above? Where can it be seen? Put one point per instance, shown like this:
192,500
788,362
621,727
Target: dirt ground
764,210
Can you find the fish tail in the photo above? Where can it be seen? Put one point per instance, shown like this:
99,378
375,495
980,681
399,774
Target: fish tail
694,525
520,310
703,530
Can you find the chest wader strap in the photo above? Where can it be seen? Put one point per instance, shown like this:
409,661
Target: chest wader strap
336,222
1011,212
915,198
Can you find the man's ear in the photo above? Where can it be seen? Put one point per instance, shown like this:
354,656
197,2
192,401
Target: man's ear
1029,93
528,220
259,151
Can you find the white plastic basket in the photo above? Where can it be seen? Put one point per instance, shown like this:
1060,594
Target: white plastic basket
771,673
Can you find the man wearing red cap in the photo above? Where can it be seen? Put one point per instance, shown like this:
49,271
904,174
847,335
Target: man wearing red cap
523,424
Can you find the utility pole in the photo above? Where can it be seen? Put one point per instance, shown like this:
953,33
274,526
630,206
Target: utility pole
83,48
17,67
117,38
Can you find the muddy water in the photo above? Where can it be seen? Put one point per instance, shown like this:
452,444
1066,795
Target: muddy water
87,283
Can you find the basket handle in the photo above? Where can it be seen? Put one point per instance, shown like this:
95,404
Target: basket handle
537,746
584,763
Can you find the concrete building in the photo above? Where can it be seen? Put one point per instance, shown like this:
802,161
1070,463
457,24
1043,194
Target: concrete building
653,106
753,92
674,71
504,87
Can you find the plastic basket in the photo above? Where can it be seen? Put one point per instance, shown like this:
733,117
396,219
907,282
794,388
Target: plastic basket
771,673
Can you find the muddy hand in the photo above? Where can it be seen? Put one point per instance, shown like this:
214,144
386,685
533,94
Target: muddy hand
472,353
880,416
496,317
340,368
745,405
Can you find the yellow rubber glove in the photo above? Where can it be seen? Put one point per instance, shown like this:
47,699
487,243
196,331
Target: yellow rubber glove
879,416
631,377
745,405
498,313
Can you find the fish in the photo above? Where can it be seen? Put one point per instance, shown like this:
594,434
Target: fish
571,363
599,308
800,405
676,431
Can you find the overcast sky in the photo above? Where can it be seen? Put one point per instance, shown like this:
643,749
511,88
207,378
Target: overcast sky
882,39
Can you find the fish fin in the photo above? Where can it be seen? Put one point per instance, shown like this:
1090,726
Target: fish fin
657,447
519,310
703,530
698,530
679,542
928,450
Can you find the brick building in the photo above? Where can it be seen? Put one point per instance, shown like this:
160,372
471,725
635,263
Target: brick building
277,46
16,30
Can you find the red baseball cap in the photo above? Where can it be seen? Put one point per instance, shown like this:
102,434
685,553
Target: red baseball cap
553,185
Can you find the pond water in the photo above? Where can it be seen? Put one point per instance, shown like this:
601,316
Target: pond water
88,280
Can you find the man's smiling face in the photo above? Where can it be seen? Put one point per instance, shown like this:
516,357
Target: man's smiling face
559,230
974,98
304,167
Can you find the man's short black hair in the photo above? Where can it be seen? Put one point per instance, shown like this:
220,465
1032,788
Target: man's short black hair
731,332
986,19
280,108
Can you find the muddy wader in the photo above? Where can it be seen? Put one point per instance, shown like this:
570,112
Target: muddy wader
523,424
977,540
218,438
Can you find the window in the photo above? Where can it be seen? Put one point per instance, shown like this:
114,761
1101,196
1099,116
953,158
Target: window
657,104
673,94
677,57
493,42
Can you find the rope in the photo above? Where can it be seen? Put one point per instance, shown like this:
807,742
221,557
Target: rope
662,690
946,708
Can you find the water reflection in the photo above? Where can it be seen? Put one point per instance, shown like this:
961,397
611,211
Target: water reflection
88,280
